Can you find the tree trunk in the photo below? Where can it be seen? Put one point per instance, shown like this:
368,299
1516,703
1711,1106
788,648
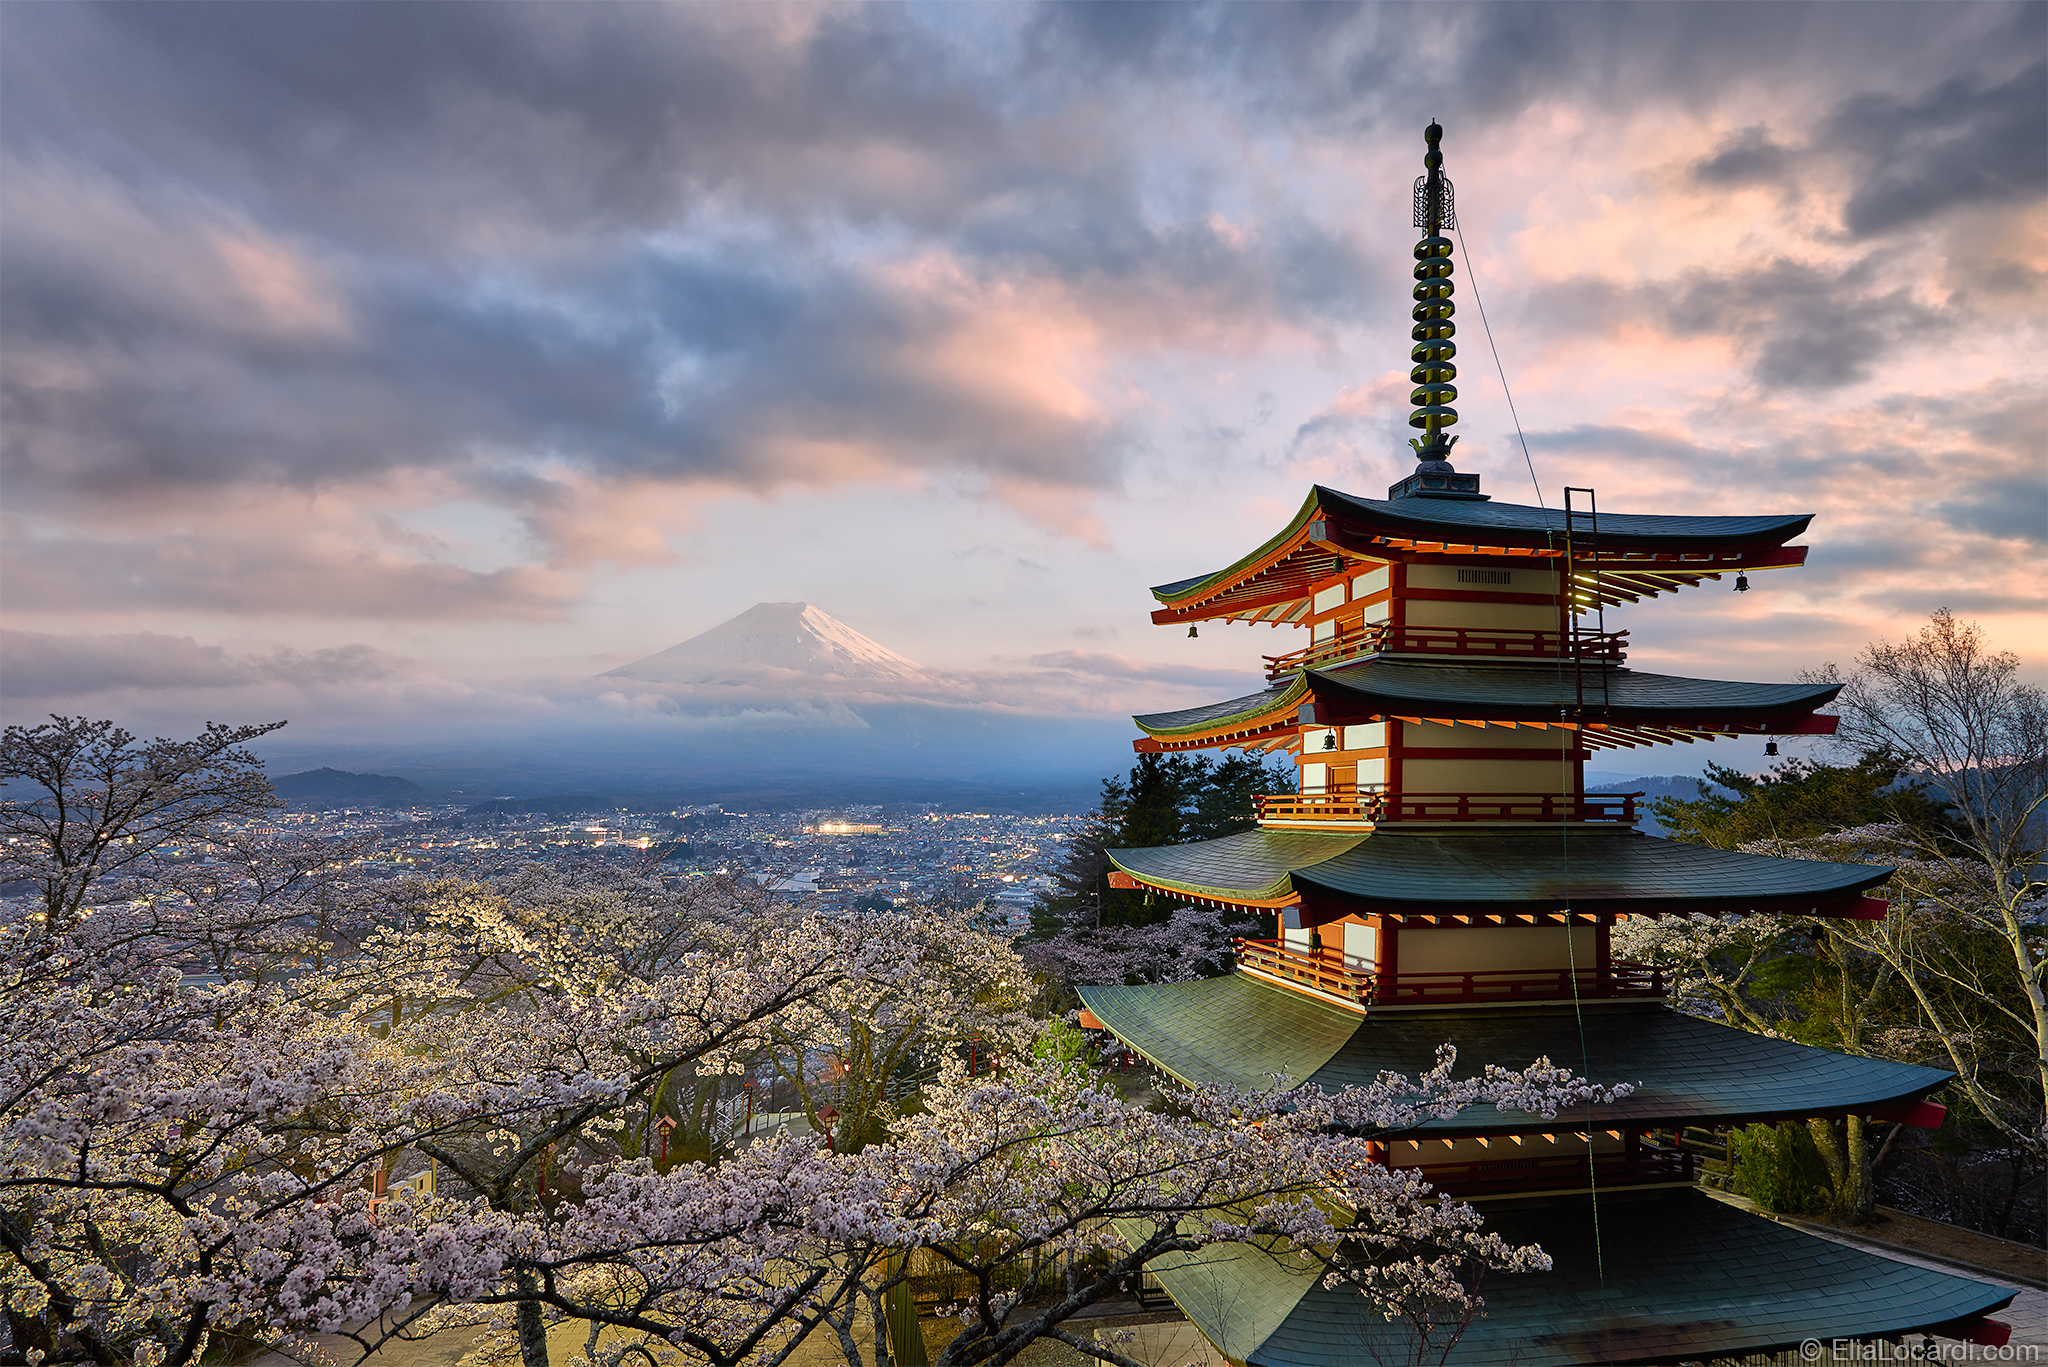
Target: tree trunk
533,1327
1852,1196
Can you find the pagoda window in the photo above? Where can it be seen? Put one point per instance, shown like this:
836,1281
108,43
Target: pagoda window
1371,582
1317,739
1323,631
1371,736
1372,774
1328,599
1315,778
1378,612
1361,945
1294,935
1455,579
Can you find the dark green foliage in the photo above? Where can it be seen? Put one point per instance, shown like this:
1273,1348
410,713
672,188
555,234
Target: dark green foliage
1164,800
1799,799
1777,1167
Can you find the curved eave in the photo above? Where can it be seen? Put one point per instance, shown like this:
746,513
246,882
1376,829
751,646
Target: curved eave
1383,687
1650,1278
1462,521
1520,872
1636,555
1251,869
1239,1031
1440,872
1253,712
1270,584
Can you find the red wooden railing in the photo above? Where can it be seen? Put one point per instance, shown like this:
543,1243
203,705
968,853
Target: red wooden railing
1487,642
1547,1171
1327,972
1311,970
1618,979
1344,803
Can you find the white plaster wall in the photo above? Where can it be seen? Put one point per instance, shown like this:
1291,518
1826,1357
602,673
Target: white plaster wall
1462,949
1435,612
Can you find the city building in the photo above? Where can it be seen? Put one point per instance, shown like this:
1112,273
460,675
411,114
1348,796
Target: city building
1442,876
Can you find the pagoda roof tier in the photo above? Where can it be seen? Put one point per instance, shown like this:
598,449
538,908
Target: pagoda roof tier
1635,555
1496,872
1611,704
1240,1031
1659,1276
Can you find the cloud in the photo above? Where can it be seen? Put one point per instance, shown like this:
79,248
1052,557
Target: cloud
1746,158
46,665
257,575
553,315
1124,668
1966,142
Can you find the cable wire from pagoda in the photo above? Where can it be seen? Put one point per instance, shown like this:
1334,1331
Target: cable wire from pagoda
1569,790
1487,327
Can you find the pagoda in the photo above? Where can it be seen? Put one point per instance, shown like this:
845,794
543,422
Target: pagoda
1440,874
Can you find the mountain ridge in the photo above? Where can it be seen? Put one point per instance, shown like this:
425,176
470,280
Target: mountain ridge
770,641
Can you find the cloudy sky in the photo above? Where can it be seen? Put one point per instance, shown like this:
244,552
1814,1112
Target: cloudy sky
371,363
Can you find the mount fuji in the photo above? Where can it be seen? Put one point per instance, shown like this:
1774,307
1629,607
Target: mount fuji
770,642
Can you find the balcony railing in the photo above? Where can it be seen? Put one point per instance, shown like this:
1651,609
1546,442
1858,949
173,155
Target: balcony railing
1618,979
1310,970
1325,971
1497,643
1554,1170
1343,804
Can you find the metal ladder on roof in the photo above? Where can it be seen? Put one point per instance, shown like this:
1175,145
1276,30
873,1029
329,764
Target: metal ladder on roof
1582,541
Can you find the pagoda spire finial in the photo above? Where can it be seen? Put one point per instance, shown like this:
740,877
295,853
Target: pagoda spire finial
1435,210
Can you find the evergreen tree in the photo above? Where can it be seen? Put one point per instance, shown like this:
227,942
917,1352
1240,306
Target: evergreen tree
1798,800
1164,800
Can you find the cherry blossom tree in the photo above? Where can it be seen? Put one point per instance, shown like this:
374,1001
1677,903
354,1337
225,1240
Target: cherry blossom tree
1958,716
742,1261
90,802
188,1157
179,1163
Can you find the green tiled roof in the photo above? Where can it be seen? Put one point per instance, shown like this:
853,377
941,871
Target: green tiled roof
1273,543
1253,864
1504,693
1217,713
1685,1277
1539,691
1542,868
1458,520
1537,869
1240,1031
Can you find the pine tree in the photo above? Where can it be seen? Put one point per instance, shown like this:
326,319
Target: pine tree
1798,800
1164,800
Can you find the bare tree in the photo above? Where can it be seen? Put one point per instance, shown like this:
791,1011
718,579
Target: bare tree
1965,725
100,804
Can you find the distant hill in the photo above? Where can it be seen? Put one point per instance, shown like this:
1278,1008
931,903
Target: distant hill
340,786
1651,786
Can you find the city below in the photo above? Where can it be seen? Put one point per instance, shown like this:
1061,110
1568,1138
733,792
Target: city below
844,858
